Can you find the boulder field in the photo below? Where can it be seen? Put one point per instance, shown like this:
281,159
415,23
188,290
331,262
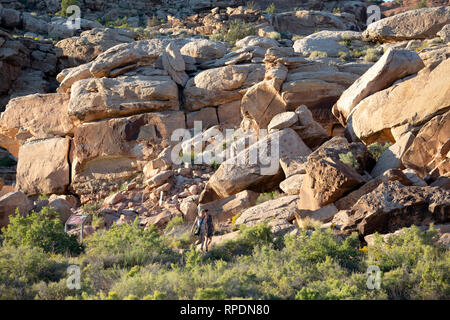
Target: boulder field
350,123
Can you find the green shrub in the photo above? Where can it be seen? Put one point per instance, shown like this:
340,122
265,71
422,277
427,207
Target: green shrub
271,9
129,245
177,221
318,54
266,196
210,294
237,30
343,55
43,230
376,149
349,159
371,55
21,267
66,4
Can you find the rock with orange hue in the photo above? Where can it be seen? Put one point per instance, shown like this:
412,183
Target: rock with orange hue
43,166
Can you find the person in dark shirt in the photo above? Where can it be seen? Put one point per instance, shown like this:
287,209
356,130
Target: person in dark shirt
209,229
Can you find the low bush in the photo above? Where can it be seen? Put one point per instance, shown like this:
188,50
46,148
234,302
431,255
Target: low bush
41,229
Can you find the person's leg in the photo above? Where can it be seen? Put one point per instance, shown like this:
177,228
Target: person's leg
208,242
202,240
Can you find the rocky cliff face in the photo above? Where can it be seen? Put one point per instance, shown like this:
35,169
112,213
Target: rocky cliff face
91,114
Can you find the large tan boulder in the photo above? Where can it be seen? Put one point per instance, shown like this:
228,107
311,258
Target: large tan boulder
68,77
414,24
203,50
346,202
313,88
217,86
173,62
105,152
392,206
282,208
408,104
144,52
238,173
95,99
43,166
393,65
329,176
36,115
10,202
329,42
261,103
74,51
306,22
225,209
430,148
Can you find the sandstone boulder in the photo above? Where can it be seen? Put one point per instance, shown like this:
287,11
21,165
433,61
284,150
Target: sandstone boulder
311,132
283,120
75,51
258,41
94,99
10,202
444,34
144,52
292,184
411,103
35,115
346,202
414,24
261,103
430,148
282,209
173,62
392,206
203,50
239,173
325,41
393,65
225,209
43,166
217,86
306,22
188,207
292,166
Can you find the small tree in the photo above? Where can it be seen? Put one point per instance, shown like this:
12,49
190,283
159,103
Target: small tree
41,229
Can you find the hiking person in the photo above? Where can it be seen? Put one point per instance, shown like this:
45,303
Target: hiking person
199,228
209,229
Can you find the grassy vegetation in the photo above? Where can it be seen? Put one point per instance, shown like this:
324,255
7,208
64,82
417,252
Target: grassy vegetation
271,9
349,159
237,30
376,149
266,196
318,54
66,4
127,262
